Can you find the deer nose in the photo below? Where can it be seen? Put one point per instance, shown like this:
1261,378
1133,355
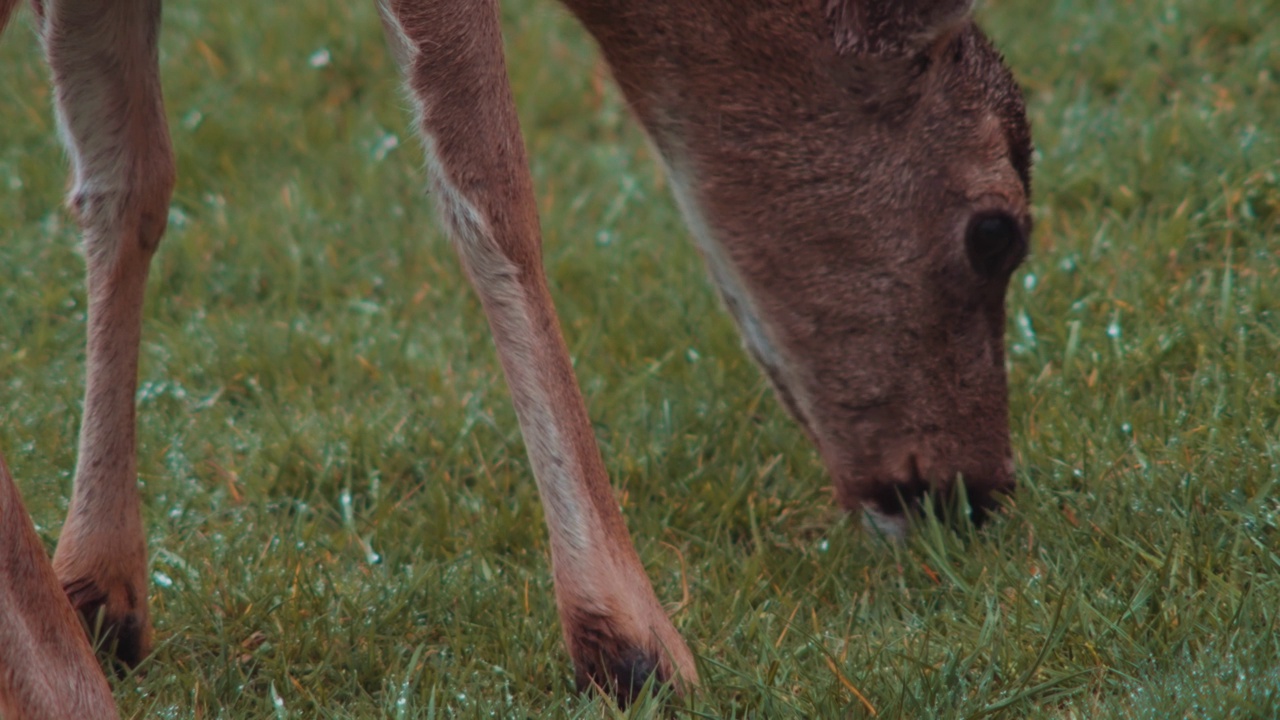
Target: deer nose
886,497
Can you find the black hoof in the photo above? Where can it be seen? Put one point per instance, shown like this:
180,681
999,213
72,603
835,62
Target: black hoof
127,634
622,675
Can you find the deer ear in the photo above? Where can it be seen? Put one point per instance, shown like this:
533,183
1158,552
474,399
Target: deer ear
892,27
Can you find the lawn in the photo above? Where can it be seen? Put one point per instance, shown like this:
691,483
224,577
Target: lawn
341,516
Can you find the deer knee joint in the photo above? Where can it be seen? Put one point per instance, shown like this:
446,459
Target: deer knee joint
127,208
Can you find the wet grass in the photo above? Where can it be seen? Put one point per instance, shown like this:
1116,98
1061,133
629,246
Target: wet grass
341,517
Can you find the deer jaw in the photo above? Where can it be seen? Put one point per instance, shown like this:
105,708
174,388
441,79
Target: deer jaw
833,194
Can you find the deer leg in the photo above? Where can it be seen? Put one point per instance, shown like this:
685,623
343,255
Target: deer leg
451,56
47,669
103,55
6,8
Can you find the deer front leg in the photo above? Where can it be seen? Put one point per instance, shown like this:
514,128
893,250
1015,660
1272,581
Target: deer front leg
47,669
451,56
103,55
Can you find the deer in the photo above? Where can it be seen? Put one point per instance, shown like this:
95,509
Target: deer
47,667
855,173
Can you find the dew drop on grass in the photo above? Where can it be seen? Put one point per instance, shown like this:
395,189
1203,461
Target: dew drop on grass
177,218
278,702
162,580
1029,282
823,545
347,511
365,307
384,146
320,58
1113,329
1025,327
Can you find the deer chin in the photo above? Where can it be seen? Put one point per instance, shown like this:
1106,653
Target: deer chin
890,527
886,500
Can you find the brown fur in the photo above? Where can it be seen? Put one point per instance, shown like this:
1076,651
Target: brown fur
835,159
6,11
891,28
47,669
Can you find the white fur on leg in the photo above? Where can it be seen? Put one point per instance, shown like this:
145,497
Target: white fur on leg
892,527
498,281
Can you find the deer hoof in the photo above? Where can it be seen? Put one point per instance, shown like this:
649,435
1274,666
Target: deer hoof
603,660
119,614
622,676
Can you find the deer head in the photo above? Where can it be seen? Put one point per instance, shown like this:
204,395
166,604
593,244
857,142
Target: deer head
857,175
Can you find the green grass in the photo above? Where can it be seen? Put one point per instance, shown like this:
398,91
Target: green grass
318,385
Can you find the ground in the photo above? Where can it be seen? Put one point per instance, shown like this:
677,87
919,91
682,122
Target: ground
341,517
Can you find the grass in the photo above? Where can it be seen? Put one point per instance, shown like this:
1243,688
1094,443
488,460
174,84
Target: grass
341,518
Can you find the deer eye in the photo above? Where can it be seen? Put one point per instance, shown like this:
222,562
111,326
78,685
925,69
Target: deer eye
995,243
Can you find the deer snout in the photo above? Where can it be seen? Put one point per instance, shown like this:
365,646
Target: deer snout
886,490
